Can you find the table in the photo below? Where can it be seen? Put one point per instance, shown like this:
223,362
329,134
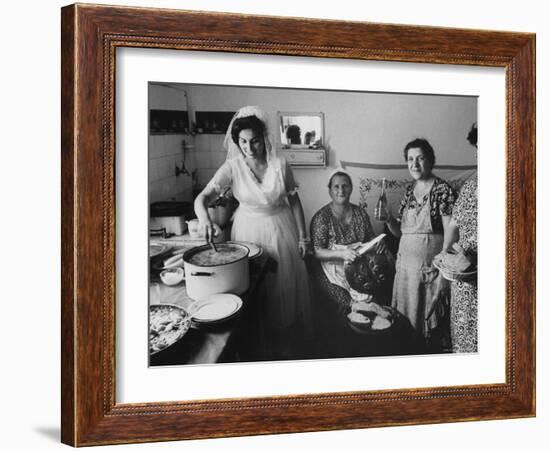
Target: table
225,342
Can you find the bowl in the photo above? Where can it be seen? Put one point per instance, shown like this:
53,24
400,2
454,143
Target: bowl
455,276
167,325
172,276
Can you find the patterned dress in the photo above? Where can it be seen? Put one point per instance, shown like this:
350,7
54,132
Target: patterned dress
441,200
327,231
464,295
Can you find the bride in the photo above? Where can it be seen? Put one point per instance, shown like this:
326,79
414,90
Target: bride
270,214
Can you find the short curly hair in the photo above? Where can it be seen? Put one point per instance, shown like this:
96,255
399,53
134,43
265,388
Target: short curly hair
246,123
424,145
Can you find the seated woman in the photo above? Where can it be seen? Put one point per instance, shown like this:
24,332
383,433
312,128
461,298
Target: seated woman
336,229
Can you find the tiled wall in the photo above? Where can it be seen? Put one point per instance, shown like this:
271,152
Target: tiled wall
209,155
203,153
165,151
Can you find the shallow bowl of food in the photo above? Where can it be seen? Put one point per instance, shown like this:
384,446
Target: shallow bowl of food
167,325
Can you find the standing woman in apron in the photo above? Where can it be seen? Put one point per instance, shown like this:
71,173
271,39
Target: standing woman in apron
423,224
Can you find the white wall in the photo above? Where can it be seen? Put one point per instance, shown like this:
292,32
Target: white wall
31,267
359,126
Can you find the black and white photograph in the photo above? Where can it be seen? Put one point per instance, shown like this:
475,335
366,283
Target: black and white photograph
300,224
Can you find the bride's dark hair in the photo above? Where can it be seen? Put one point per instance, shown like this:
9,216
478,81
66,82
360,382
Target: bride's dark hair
246,123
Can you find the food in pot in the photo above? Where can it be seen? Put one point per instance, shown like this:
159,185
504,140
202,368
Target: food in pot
224,254
167,324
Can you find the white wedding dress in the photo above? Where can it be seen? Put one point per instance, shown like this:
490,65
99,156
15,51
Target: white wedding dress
264,217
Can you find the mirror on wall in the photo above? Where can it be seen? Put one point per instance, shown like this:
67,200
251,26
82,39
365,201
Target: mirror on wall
299,130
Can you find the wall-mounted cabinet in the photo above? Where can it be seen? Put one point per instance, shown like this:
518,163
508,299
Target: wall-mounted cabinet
162,122
212,122
305,158
301,138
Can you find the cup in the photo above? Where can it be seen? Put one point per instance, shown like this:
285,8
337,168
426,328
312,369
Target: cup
193,227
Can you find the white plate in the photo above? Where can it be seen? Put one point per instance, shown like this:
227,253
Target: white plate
254,250
454,276
156,249
215,308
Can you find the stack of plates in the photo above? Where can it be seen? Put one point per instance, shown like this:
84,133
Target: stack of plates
215,309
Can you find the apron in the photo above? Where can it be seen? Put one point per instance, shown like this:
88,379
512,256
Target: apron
414,287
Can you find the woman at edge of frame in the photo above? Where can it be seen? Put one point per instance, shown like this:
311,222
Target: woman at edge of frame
464,302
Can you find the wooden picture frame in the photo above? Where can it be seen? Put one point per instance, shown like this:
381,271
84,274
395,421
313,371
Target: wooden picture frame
90,36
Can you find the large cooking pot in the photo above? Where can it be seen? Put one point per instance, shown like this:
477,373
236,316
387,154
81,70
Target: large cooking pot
208,272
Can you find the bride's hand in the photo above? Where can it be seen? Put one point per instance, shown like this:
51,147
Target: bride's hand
210,230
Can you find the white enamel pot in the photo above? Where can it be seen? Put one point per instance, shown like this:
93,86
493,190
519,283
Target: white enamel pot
205,280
